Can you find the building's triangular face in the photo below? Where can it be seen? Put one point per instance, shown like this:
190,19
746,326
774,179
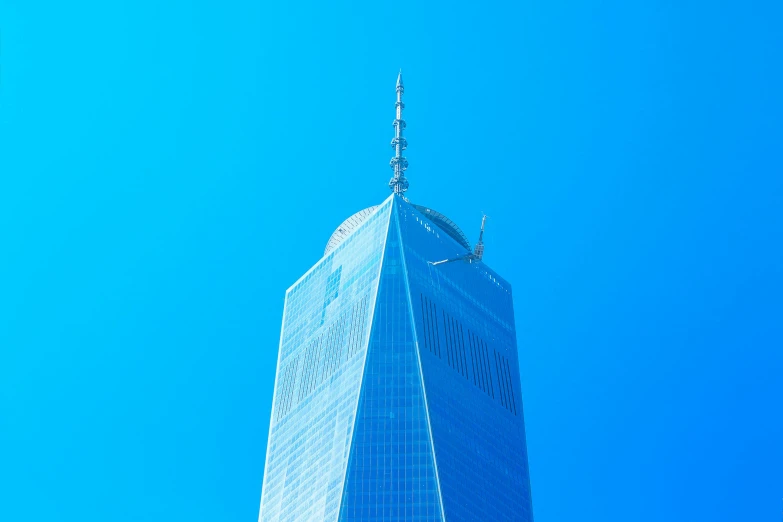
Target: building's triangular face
397,395
391,470
326,325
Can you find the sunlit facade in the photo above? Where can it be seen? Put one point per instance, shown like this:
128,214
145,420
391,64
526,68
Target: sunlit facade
397,395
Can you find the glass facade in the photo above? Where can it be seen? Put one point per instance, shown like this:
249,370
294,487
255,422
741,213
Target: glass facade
397,394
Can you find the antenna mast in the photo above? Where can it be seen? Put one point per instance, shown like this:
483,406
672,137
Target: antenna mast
470,257
399,183
478,252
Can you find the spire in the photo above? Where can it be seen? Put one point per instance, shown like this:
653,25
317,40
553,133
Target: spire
399,184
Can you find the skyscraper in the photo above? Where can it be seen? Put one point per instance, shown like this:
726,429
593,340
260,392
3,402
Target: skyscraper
397,394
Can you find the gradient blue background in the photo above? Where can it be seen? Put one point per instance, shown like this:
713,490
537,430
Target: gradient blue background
169,170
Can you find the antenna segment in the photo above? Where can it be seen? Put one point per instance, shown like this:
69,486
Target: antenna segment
399,183
478,252
470,257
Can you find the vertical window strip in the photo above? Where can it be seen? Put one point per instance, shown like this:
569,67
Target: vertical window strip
460,369
362,320
424,323
281,393
335,354
457,356
432,327
319,366
310,366
462,351
436,329
303,375
425,320
354,332
363,323
358,329
502,375
506,377
504,361
458,338
480,362
294,376
365,313
316,365
504,368
315,362
452,347
480,365
344,340
489,369
322,364
292,384
511,387
287,389
338,346
429,335
472,356
446,335
456,345
500,381
345,343
505,381
452,359
351,333
455,325
329,353
432,313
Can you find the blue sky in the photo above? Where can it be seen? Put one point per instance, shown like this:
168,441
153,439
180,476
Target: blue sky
169,168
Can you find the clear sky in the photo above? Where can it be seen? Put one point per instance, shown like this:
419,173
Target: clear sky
169,168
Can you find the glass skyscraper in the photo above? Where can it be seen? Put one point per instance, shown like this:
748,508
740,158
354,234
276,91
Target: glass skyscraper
397,394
